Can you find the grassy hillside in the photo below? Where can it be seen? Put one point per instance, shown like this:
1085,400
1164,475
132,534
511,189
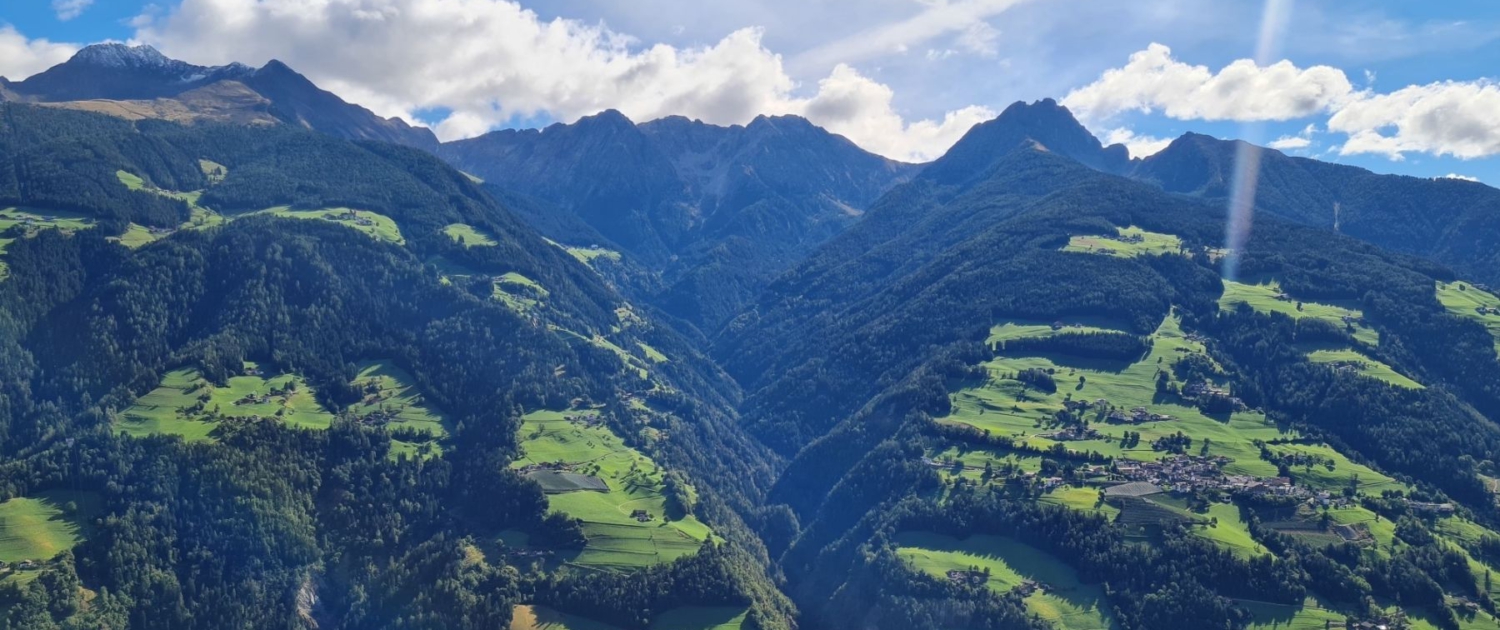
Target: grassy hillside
578,442
188,405
1464,299
1127,242
468,236
374,224
1353,360
42,526
1062,600
1268,297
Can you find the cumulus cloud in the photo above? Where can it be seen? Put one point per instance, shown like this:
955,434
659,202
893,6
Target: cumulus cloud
1460,177
1139,145
1287,143
69,9
939,18
1243,91
1450,118
21,57
492,61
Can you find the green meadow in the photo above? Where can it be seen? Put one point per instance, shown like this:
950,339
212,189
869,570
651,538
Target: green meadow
468,235
42,526
639,364
701,618
1362,365
376,225
391,390
1008,407
520,293
1344,472
587,255
1066,601
1461,298
544,618
1130,242
1264,299
25,222
616,540
1311,615
188,405
1082,499
1013,329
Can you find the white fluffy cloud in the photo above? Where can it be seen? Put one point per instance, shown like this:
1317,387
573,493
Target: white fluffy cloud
492,61
21,57
69,9
1139,145
1287,143
1466,178
1461,119
1154,81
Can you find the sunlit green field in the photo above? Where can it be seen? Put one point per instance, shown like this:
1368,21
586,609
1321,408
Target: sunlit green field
701,618
520,293
615,539
1366,366
1070,604
395,390
1461,298
1262,298
1344,471
1150,244
1082,499
1020,328
379,227
468,235
544,618
1006,407
167,409
46,524
1309,616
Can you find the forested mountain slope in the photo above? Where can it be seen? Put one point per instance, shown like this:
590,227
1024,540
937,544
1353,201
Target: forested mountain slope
1452,221
1035,367
716,211
136,82
206,394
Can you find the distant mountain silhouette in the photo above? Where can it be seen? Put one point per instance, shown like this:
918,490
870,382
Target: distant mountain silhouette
139,82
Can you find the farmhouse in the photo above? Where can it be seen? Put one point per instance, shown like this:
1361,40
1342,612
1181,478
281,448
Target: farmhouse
1430,508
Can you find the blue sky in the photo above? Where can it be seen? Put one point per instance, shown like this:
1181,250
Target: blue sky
1395,86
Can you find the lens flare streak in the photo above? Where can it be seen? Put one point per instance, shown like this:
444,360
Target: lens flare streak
1246,175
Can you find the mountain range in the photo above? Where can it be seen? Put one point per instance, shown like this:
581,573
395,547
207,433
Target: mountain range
270,360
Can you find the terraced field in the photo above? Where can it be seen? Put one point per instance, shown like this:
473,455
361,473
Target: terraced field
1351,359
616,539
1461,298
1267,297
1065,601
188,405
1130,242
468,235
